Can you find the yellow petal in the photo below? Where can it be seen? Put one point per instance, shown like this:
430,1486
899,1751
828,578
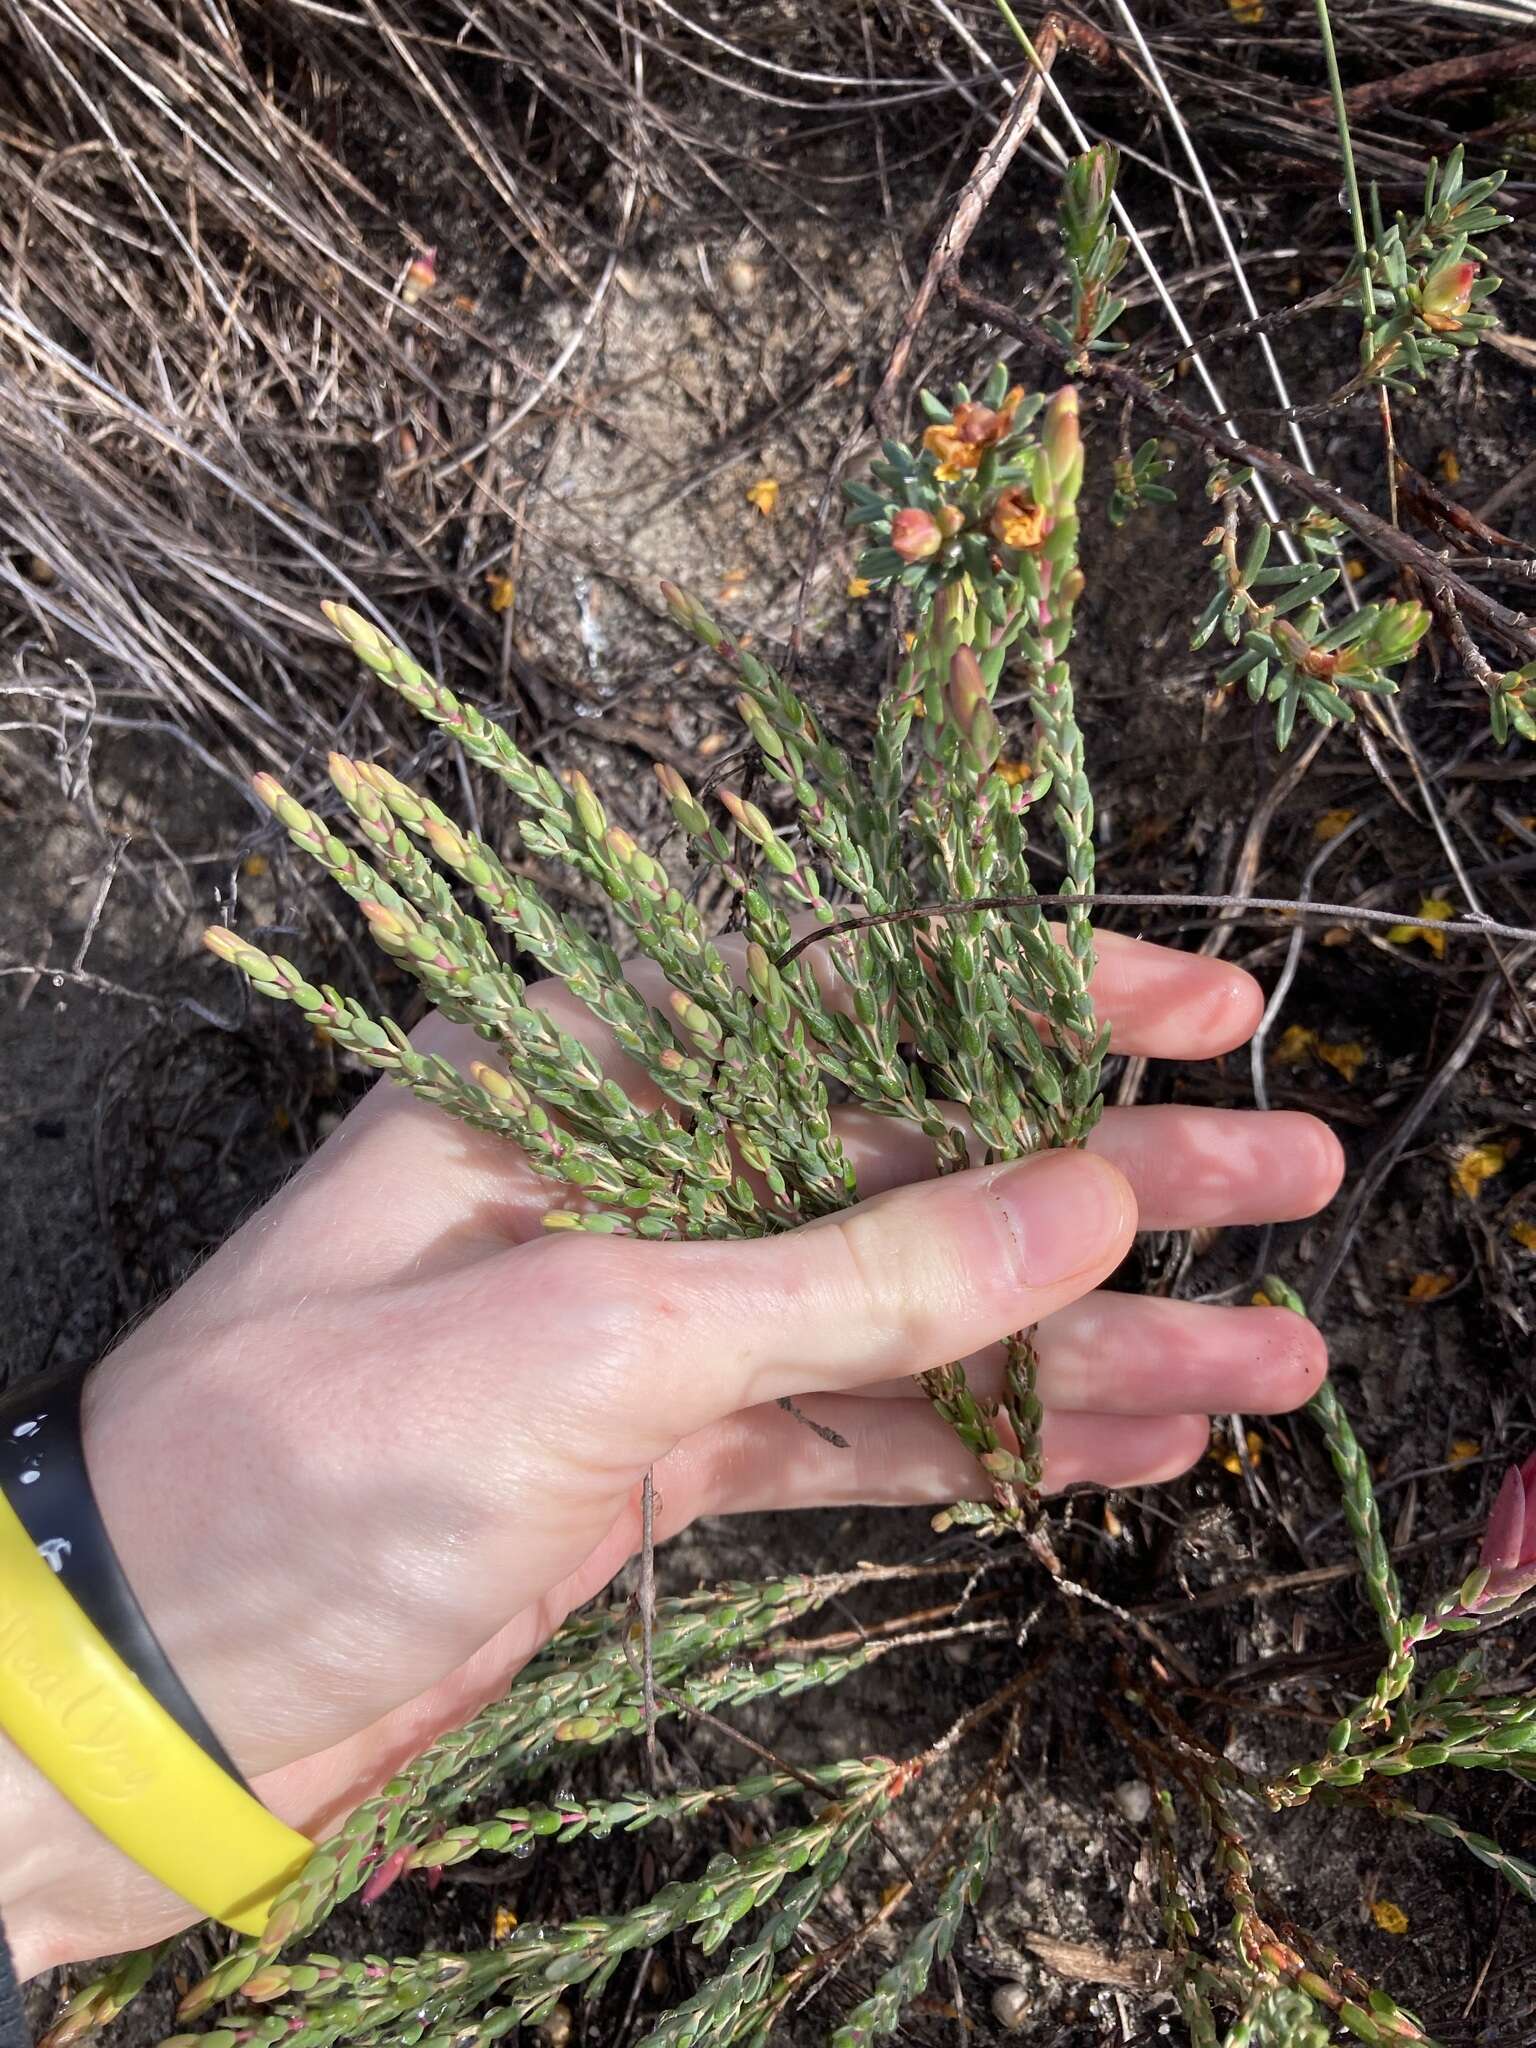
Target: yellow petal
764,494
1389,1918
1404,934
1449,466
503,1923
1346,1059
1464,1450
1014,772
1524,1234
1248,13
1430,1286
859,586
1354,567
499,590
1330,825
1477,1164
1222,1452
254,866
1297,1045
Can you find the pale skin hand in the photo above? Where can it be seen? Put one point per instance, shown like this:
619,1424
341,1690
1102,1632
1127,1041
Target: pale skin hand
362,1465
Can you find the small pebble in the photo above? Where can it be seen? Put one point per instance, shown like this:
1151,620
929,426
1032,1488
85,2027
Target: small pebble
1134,1800
555,2028
1011,2006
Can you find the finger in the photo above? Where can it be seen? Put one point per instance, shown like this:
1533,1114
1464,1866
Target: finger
897,1454
1157,1001
456,1193
675,1336
1167,1005
1189,1167
1122,1354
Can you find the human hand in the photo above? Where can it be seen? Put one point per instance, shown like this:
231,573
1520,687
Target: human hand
363,1463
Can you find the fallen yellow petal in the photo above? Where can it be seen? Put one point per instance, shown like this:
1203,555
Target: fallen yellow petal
1524,1234
1404,934
1389,1918
1014,772
859,586
1224,1455
499,590
503,1923
1330,825
1449,466
1464,1450
1354,567
254,866
1477,1164
1346,1059
1297,1045
1430,1286
764,494
1249,13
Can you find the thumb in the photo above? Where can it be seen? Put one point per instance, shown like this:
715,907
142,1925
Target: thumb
685,1334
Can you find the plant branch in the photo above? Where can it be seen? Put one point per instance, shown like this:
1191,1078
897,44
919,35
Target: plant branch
1383,539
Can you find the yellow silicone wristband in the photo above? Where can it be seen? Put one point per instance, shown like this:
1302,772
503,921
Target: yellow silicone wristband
70,1704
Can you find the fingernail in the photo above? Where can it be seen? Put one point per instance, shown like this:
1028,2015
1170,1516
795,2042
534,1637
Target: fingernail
1067,1211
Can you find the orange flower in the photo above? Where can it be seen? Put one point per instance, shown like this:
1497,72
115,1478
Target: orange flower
961,442
1018,522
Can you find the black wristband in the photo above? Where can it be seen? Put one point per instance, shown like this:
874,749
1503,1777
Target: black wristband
44,1478
13,2021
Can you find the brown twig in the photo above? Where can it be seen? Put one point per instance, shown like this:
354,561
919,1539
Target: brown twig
1056,33
1287,906
1505,61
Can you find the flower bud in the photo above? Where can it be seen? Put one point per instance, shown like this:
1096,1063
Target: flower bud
748,817
967,688
365,640
1510,1541
686,807
285,808
506,1088
590,814
696,1021
753,717
386,925
762,975
915,534
345,779
1446,296
1062,440
1399,630
446,842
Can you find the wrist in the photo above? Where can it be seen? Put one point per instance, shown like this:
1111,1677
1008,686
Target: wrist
85,1729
